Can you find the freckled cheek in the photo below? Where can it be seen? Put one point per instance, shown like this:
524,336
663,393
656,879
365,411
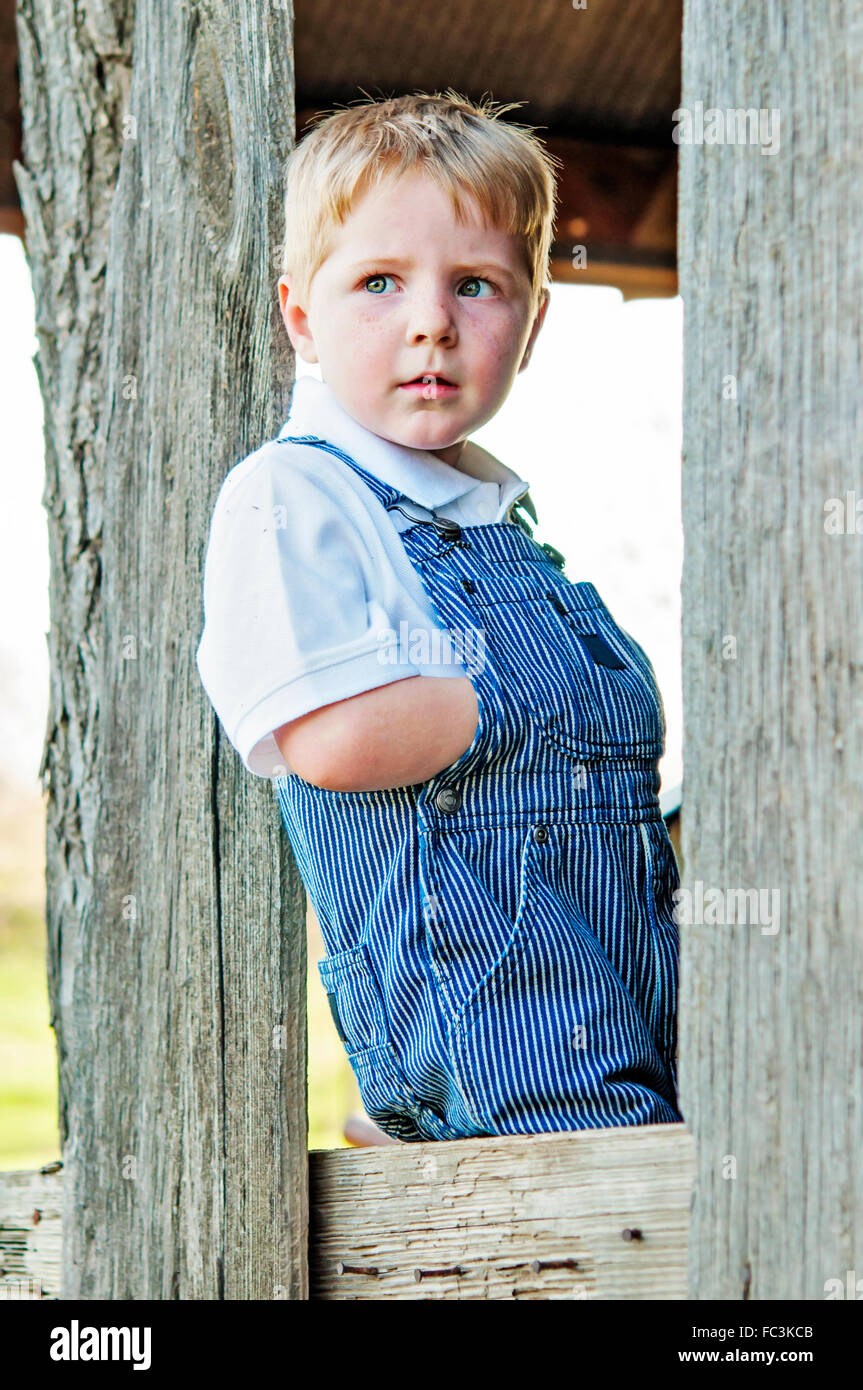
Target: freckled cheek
364,335
371,341
493,347
374,326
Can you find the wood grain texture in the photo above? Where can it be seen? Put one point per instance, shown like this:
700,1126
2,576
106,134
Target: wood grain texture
152,183
31,1210
771,267
491,1207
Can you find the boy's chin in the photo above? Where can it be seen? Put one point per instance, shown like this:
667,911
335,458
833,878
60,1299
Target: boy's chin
426,430
429,435
431,444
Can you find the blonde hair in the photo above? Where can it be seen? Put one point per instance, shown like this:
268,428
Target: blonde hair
464,146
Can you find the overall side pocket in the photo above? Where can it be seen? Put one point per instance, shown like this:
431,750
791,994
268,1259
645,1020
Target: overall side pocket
358,1013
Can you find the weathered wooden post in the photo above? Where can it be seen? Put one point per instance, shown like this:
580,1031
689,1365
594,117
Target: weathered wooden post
155,138
771,1037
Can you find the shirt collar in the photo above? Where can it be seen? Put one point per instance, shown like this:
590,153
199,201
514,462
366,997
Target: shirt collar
416,474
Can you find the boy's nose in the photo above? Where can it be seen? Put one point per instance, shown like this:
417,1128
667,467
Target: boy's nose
431,319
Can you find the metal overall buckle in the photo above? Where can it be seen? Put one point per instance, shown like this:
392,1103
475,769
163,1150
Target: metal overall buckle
522,504
525,504
448,530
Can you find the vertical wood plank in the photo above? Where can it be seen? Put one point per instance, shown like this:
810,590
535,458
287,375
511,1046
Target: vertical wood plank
771,272
155,139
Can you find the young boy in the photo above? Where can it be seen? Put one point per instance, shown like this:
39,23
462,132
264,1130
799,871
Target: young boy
464,743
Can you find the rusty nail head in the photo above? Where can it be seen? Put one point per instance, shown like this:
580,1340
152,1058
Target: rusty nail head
37,1216
454,1269
632,1233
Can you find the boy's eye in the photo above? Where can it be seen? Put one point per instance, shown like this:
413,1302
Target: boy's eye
376,284
473,287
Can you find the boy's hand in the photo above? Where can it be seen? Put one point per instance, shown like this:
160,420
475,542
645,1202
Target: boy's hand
363,1132
395,736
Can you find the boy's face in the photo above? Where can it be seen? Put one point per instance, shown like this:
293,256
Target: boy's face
408,292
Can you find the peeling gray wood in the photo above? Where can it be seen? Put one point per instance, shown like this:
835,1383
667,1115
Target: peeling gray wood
491,1208
154,142
30,1235
512,1214
771,272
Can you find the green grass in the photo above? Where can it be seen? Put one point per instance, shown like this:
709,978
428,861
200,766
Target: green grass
333,1089
28,1074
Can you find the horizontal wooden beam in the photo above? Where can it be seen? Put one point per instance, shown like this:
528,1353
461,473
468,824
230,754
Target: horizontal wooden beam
601,1213
12,222
635,281
542,1216
616,219
30,1233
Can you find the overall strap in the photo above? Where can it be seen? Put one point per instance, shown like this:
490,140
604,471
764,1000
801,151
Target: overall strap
385,494
388,497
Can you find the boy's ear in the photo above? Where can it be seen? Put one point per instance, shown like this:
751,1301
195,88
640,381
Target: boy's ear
296,320
537,325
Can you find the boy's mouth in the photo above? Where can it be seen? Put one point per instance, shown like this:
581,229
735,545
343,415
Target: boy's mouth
430,384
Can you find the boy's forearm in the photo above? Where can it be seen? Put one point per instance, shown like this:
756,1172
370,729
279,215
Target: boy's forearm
397,735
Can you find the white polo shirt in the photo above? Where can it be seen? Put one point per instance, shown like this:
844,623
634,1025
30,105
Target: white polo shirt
306,581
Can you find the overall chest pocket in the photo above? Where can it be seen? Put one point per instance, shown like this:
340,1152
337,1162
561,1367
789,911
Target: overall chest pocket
586,684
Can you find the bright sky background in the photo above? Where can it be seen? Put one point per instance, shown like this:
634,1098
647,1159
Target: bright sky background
593,424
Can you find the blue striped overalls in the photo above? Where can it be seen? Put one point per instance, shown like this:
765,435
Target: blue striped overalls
502,956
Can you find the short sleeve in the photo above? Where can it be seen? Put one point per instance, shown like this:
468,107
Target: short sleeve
299,596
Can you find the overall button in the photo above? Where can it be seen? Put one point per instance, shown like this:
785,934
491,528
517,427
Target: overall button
555,602
554,555
448,800
540,834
